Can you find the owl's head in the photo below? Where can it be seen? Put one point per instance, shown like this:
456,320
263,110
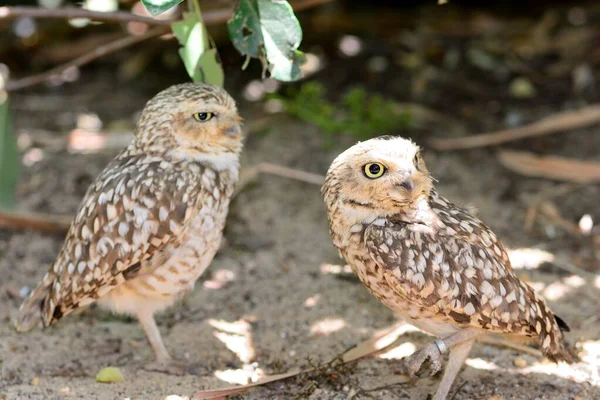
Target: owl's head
193,121
378,178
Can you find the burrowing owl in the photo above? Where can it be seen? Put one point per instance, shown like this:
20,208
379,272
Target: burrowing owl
152,221
432,262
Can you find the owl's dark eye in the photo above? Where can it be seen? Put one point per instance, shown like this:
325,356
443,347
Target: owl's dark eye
374,170
203,116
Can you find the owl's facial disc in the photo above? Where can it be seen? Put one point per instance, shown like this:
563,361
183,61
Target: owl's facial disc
208,128
383,177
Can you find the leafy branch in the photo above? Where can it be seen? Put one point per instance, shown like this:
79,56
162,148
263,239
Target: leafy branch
263,29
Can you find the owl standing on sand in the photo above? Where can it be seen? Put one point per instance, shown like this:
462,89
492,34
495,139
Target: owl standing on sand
436,265
152,221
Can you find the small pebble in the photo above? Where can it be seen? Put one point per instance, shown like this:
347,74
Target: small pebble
522,88
65,390
35,381
519,362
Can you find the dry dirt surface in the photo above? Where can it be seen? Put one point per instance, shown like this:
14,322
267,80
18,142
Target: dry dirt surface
277,297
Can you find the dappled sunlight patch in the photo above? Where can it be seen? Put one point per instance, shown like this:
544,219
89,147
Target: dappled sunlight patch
591,353
312,301
327,326
333,269
405,349
561,370
236,336
219,279
556,290
537,286
479,363
249,374
574,281
529,258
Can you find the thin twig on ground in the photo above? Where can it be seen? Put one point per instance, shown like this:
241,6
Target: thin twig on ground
534,205
550,167
364,349
511,345
563,121
85,59
40,222
251,174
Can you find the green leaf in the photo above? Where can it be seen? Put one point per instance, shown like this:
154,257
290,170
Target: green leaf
9,156
156,7
201,61
110,375
211,68
269,30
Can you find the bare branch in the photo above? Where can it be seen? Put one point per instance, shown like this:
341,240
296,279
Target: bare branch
85,59
212,17
40,222
563,121
71,13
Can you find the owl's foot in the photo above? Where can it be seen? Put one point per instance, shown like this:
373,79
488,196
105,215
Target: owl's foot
412,364
171,367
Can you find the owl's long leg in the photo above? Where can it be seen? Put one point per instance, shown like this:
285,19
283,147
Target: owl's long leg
457,357
163,363
434,351
153,336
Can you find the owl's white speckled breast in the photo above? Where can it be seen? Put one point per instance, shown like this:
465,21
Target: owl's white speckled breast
356,253
173,272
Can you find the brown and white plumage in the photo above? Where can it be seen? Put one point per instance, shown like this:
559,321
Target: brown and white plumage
438,266
152,221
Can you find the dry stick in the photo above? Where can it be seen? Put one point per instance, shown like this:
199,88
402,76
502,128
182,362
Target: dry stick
40,222
563,121
366,348
85,59
550,167
59,223
210,18
507,343
70,13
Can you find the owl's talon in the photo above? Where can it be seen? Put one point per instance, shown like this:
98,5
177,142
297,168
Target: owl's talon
412,364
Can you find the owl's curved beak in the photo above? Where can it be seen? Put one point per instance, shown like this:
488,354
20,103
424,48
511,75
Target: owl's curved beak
233,130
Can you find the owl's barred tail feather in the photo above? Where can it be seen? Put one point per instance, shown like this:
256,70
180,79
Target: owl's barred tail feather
552,344
30,313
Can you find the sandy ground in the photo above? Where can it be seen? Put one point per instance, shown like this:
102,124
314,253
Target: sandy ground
267,303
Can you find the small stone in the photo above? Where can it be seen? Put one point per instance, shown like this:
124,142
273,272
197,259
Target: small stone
495,398
522,88
35,381
519,362
65,390
110,375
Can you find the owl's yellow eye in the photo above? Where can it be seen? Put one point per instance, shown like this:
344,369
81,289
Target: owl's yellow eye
374,170
203,116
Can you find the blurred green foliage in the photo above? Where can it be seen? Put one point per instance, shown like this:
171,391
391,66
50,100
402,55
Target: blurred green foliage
9,156
358,113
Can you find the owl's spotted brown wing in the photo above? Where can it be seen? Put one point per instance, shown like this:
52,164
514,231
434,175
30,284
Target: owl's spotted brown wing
460,272
133,210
